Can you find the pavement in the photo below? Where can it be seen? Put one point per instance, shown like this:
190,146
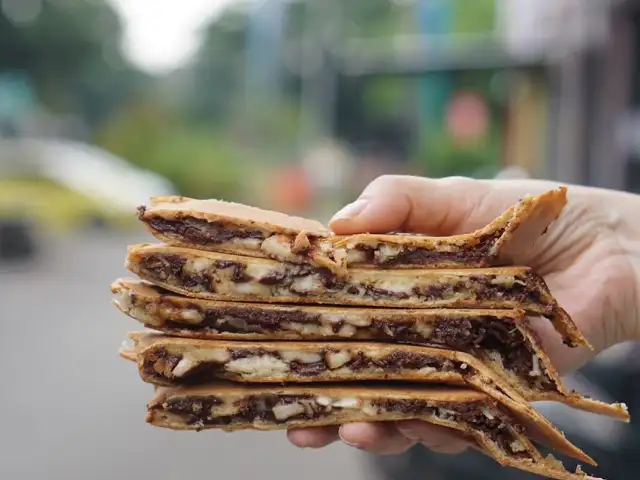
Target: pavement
73,409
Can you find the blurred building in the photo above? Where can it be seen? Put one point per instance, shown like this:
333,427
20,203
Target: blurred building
564,72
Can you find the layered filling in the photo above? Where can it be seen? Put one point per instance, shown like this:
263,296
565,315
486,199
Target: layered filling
280,246
286,280
204,411
387,254
194,366
496,338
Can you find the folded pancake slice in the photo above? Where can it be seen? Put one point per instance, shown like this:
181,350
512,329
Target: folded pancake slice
218,276
473,415
229,227
170,361
498,243
240,229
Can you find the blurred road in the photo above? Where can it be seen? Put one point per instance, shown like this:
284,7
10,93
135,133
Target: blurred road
72,409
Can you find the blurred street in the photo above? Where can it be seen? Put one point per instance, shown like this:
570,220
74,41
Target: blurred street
73,409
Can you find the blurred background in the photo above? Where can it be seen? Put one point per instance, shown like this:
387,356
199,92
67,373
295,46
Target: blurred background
288,104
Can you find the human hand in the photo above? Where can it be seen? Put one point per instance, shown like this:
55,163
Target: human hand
590,259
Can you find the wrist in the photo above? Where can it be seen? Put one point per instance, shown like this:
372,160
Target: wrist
635,315
628,232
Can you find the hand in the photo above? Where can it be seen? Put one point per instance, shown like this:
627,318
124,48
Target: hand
590,258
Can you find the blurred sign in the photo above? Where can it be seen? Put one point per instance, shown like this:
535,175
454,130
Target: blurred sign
552,27
264,46
434,18
290,189
467,118
16,96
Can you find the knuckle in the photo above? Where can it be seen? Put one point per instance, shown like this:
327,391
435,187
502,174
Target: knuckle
388,182
458,180
448,448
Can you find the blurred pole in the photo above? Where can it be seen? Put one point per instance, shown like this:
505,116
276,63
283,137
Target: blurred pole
322,30
434,17
264,47
614,65
569,135
323,36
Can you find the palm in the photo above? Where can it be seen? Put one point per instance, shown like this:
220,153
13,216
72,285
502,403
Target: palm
588,258
582,262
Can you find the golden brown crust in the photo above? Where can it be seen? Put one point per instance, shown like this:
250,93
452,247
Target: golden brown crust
513,232
360,390
619,410
173,207
154,293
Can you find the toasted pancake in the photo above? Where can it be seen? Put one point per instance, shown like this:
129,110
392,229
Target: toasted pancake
171,361
474,416
234,228
217,276
501,339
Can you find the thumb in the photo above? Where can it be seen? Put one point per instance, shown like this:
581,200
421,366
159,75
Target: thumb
411,204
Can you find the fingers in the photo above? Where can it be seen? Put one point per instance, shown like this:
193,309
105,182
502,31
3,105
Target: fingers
318,437
382,438
436,438
394,202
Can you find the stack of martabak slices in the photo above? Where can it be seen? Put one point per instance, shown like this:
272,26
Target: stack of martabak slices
267,321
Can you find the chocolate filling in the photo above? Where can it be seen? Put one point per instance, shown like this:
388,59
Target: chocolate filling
501,336
460,333
198,231
481,334
494,426
251,408
158,364
197,411
475,255
170,268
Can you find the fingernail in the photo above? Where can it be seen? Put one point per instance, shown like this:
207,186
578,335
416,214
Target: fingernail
351,210
354,445
409,433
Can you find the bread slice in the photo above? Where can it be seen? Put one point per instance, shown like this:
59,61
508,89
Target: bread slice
218,276
472,415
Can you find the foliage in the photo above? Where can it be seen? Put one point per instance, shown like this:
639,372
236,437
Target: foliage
195,126
439,156
200,162
70,52
214,80
477,16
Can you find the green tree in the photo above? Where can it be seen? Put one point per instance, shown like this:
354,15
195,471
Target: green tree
214,82
70,53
